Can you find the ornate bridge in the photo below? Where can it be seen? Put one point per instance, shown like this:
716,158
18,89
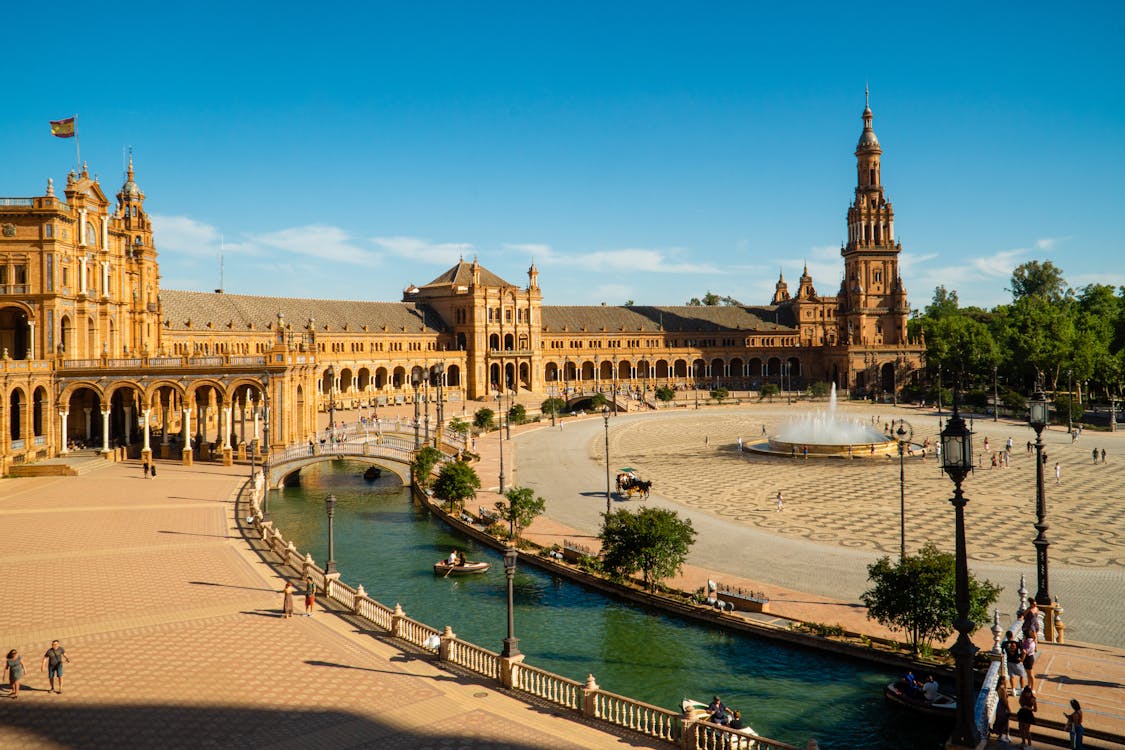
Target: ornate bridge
393,452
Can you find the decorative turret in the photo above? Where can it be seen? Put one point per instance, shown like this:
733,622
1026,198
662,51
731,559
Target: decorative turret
806,289
533,277
781,290
131,210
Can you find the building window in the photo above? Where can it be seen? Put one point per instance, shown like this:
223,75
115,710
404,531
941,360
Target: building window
48,230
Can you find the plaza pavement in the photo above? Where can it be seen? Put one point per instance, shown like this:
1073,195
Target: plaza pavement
840,515
173,628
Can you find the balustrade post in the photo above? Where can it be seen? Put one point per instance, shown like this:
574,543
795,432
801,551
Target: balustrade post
306,564
330,581
266,529
1060,626
590,698
508,665
446,646
396,621
688,729
360,595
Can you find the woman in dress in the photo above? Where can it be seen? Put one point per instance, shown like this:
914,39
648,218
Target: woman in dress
13,672
1026,715
287,600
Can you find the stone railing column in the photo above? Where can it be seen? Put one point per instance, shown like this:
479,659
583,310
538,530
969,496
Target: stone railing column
396,621
508,666
330,581
226,418
360,595
1060,626
105,431
146,449
62,433
186,436
688,729
306,564
590,697
447,639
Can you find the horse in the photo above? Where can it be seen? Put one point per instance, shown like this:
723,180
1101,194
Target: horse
638,486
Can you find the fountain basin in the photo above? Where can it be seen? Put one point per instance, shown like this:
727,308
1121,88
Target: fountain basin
779,447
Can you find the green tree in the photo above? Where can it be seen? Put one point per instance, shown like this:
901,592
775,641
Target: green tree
517,414
719,394
917,596
455,483
597,401
654,541
769,390
708,300
460,426
665,393
944,303
553,406
422,466
629,303
483,418
1034,279
522,507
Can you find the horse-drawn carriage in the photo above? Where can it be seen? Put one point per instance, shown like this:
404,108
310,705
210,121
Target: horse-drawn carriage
629,484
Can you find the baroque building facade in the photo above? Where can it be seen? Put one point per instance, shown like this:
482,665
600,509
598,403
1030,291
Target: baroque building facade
96,354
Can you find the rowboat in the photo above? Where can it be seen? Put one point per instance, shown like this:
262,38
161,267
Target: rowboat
444,568
697,711
944,705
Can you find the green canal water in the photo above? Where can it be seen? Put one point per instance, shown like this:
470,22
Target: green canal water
389,545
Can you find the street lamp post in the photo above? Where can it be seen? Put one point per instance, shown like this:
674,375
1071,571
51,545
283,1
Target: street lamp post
605,418
1039,413
903,434
995,397
426,400
266,429
511,643
500,443
1069,410
330,507
957,454
331,373
439,373
416,380
615,385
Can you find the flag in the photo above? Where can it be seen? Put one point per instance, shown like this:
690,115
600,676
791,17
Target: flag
63,128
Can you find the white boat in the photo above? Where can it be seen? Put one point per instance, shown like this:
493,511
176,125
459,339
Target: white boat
699,712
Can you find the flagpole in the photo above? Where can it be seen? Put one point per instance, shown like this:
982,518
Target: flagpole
77,145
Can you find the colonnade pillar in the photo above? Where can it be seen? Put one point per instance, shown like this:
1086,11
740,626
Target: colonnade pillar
225,417
146,450
105,430
186,458
63,434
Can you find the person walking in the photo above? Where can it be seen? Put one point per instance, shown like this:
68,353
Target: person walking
780,503
1103,455
1013,654
13,673
1026,715
1058,473
287,600
53,663
1000,726
310,596
144,468
1029,645
152,470
1094,453
1074,725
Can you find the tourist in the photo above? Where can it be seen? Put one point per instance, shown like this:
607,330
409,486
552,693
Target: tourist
53,663
763,430
287,600
1094,453
1103,455
1000,725
736,720
1029,446
1008,445
310,596
144,468
1058,473
1029,646
13,672
987,445
780,504
740,444
1013,654
1031,624
1026,715
152,470
1074,725
930,689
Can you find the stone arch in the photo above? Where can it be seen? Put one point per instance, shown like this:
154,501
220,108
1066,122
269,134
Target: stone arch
494,342
698,369
587,370
14,338
662,369
773,367
17,421
525,375
380,378
82,402
794,364
605,370
347,379
363,379
453,375
398,377
551,372
735,368
66,335
680,368
754,368
41,402
509,342
718,369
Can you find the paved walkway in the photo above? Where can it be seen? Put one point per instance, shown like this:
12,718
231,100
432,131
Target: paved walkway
173,629
838,516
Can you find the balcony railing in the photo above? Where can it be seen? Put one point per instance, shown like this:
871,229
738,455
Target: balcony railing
17,201
15,289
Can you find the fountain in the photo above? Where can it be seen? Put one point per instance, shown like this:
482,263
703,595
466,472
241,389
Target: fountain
825,434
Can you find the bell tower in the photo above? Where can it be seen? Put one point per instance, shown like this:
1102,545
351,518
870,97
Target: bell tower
873,308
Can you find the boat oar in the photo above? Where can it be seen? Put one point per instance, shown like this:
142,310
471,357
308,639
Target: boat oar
448,572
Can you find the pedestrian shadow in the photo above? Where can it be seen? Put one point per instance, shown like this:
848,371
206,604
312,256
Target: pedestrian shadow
194,533
274,614
1064,680
335,665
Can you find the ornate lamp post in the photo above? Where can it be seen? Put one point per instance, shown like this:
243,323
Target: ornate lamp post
903,433
511,643
426,399
1069,409
500,443
995,397
331,373
605,418
615,385
330,507
266,429
1039,410
416,380
439,373
957,457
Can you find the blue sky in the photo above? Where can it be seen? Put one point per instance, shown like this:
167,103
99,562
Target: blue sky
646,151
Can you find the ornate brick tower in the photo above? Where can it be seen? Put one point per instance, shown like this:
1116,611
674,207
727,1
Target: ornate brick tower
872,300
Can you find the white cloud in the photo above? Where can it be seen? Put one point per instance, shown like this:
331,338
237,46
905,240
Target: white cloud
999,264
424,251
318,241
537,251
613,294
182,235
1048,243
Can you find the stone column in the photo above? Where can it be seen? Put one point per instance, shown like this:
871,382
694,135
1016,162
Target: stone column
31,339
128,423
146,450
89,424
225,415
105,430
186,458
62,435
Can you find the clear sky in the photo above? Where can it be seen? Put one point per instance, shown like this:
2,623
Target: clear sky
635,150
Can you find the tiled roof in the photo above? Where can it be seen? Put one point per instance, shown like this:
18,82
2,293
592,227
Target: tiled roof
679,318
462,275
204,307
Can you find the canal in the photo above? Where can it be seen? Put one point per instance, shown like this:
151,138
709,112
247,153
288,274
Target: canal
388,544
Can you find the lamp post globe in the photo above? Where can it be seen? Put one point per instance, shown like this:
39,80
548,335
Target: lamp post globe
903,433
957,458
1039,413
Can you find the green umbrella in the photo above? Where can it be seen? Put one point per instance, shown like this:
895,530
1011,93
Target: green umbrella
627,469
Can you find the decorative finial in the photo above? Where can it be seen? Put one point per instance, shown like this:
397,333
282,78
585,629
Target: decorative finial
866,96
50,186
